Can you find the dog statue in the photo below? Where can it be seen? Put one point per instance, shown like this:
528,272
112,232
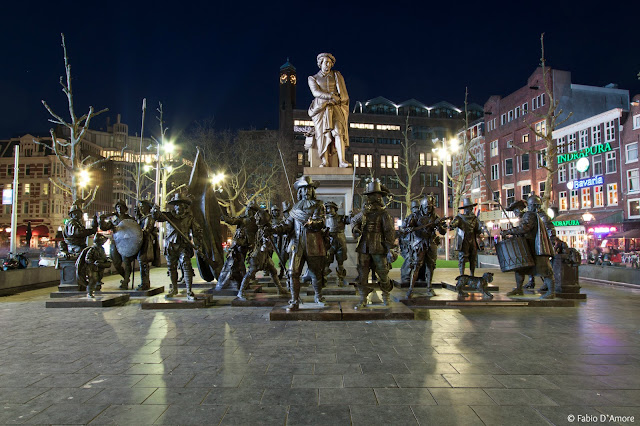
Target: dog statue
476,283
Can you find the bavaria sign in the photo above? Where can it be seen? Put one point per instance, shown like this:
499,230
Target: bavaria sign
586,182
592,150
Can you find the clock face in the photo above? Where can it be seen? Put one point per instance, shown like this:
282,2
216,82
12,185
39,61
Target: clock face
283,78
293,79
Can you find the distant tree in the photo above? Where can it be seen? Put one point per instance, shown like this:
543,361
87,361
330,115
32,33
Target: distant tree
408,168
70,152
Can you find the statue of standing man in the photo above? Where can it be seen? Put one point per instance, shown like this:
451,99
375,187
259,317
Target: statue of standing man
329,111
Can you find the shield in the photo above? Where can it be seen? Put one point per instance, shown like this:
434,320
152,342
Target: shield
206,212
127,237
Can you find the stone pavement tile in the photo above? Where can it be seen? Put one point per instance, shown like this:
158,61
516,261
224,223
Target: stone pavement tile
617,370
121,396
384,368
290,397
317,381
278,368
19,395
446,396
67,414
607,359
430,368
242,368
322,415
413,396
63,381
350,396
255,415
621,382
197,415
421,381
382,380
322,358
165,381
559,415
163,368
130,415
112,381
622,397
446,415
20,413
354,358
369,415
58,368
266,381
525,381
482,358
519,397
337,369
507,415
105,368
230,396
180,396
66,395
484,368
450,358
472,381
215,381
576,382
20,380
588,397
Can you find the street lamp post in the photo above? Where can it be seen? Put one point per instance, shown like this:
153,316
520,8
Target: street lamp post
445,156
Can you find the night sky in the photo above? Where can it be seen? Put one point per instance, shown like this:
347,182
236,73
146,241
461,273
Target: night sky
221,61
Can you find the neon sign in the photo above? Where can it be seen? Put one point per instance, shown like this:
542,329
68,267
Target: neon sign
586,182
602,229
566,223
592,150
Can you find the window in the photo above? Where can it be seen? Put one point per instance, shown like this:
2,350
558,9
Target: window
525,162
510,143
511,196
369,160
27,188
636,121
632,152
510,116
563,200
503,119
584,139
387,127
561,145
45,189
496,196
25,209
541,187
609,131
356,160
422,160
396,161
612,194
45,170
597,164
534,104
516,112
596,136
633,180
611,162
525,108
541,129
598,199
301,158
494,148
495,172
574,200
27,170
542,158
572,171
526,190
634,208
44,206
525,138
383,161
436,180
562,174
586,198
422,179
429,159
571,142
508,166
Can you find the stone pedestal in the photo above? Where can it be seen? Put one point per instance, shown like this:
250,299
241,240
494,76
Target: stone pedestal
335,185
160,302
132,293
68,280
567,278
102,301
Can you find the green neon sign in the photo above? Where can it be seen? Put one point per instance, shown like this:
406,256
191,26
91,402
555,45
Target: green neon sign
566,223
592,150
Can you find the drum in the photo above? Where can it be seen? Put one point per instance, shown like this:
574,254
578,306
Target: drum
513,253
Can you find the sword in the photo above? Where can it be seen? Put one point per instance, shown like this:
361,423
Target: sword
286,174
188,240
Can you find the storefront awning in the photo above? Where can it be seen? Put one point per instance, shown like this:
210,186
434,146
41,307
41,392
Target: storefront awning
633,233
611,216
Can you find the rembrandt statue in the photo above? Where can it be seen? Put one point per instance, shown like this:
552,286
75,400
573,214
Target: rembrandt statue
329,112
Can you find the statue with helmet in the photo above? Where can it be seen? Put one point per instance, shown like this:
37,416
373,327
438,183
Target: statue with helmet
127,240
178,249
279,241
533,234
423,251
75,232
337,240
405,237
91,264
149,252
375,243
468,230
305,226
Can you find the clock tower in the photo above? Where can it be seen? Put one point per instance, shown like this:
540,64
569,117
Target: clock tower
287,80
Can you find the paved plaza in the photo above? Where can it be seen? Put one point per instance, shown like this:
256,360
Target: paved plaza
231,365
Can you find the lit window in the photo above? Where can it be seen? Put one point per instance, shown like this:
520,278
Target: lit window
563,200
356,160
422,160
45,189
387,127
369,160
361,126
612,194
574,200
396,161
494,148
510,144
598,200
429,157
525,138
542,158
586,198
541,187
27,188
302,123
541,129
383,160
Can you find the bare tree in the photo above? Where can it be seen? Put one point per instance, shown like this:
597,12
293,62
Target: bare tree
409,166
70,153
